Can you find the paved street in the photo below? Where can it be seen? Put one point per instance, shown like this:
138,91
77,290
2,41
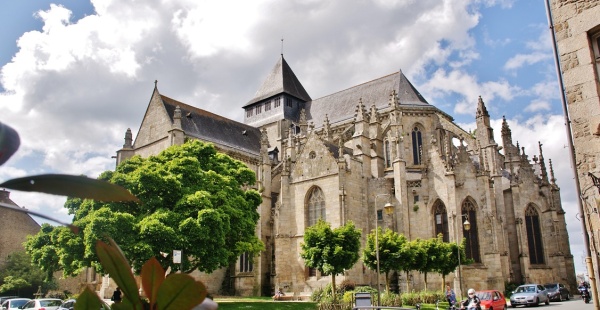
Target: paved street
573,304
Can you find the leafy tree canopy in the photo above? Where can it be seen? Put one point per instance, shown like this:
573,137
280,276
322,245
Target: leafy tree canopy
390,244
194,199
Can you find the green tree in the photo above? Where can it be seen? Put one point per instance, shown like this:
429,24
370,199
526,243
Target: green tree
417,256
331,251
390,252
449,258
434,257
193,199
18,266
13,284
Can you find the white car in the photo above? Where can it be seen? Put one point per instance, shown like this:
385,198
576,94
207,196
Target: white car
42,303
14,303
529,295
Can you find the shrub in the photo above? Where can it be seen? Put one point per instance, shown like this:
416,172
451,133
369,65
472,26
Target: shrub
391,299
347,285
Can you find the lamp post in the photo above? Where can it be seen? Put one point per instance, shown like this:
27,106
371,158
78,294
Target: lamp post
388,208
467,226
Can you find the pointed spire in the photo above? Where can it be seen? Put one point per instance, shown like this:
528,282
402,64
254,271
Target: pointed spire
302,122
280,80
506,132
264,145
394,103
552,178
327,129
361,113
543,166
481,109
340,148
374,117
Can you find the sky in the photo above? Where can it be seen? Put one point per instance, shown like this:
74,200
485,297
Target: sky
75,74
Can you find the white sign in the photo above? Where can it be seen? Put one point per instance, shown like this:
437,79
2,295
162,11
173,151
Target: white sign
176,256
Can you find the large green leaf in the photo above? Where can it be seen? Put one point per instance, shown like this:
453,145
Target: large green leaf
153,276
9,142
114,262
88,300
180,291
72,186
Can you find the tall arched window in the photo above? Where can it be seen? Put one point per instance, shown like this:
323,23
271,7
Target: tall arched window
440,218
469,210
534,236
417,144
387,153
316,206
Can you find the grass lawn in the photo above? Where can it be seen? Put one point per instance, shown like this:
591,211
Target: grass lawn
266,303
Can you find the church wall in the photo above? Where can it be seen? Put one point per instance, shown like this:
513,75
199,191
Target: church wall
155,125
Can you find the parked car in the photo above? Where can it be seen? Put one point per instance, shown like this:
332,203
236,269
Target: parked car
14,303
70,305
491,300
42,303
529,294
557,292
3,298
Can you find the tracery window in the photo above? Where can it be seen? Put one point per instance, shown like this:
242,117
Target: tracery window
440,218
316,206
387,153
417,144
469,212
246,264
534,236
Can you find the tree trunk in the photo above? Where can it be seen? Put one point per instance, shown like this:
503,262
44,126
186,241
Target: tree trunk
443,283
333,287
387,282
425,280
407,283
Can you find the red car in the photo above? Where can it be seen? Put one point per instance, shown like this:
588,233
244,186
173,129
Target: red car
491,300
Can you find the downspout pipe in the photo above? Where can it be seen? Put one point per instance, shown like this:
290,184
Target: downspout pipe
586,237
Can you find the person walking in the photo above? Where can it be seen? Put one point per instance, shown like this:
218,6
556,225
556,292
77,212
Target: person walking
472,302
116,296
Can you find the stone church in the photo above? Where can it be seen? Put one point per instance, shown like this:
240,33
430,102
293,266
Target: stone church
344,156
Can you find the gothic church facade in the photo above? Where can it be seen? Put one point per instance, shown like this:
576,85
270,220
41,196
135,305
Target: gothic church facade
343,156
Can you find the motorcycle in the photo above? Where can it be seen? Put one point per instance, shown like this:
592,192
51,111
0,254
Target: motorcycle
585,294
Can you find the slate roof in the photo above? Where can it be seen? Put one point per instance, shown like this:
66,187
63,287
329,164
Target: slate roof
281,80
341,105
214,128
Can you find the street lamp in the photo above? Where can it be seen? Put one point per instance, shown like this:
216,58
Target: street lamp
466,226
388,209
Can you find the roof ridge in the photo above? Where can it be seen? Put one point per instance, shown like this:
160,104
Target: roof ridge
357,85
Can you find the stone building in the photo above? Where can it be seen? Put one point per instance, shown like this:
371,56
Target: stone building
342,157
14,228
577,33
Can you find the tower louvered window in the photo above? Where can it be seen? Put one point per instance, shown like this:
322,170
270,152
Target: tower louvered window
534,236
417,144
440,217
471,235
316,206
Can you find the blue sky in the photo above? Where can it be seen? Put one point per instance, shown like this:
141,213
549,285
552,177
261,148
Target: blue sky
75,74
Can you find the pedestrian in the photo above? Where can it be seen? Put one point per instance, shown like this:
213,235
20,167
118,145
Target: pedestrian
116,296
472,302
450,296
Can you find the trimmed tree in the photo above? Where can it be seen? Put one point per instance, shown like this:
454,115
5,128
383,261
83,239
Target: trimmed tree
194,199
390,252
331,251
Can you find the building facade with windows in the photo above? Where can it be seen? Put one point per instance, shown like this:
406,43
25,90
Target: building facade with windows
344,156
577,33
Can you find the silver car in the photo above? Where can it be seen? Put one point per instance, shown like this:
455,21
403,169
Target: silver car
529,294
